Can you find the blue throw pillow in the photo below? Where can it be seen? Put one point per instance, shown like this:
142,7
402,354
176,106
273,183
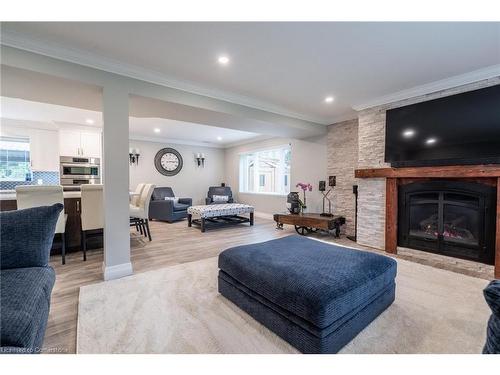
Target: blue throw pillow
492,296
26,236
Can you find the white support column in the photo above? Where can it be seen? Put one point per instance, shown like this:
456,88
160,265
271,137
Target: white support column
116,183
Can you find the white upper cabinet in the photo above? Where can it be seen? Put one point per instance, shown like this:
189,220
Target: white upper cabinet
44,145
79,143
91,144
44,150
69,143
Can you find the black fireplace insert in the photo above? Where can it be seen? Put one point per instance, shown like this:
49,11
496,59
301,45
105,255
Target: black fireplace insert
453,218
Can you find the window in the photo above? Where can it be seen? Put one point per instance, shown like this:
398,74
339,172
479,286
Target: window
15,159
262,181
266,172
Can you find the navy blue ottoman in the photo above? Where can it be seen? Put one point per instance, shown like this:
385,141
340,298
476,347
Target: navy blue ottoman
314,295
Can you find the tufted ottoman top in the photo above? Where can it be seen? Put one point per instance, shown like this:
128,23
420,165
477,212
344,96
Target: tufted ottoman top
316,281
217,210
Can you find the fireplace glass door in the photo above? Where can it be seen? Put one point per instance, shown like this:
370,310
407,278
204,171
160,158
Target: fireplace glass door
446,219
423,217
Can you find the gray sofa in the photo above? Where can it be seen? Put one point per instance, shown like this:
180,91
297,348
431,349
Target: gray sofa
26,279
167,210
218,190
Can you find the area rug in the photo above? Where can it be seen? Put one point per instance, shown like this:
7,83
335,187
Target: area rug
178,310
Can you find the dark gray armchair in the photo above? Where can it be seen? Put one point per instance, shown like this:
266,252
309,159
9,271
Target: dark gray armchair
167,210
219,190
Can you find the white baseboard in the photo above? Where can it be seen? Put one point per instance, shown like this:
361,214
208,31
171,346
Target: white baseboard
118,271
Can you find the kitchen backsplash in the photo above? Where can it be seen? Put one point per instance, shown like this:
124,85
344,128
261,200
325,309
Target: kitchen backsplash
47,178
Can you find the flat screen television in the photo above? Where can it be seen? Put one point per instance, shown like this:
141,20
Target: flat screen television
454,130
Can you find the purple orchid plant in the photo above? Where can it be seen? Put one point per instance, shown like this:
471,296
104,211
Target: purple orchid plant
304,187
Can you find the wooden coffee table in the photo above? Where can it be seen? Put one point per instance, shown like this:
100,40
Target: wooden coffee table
310,222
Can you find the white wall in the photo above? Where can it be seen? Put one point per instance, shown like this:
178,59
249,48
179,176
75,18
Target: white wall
191,182
308,165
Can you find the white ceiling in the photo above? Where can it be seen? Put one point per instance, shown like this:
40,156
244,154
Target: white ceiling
37,87
286,68
171,131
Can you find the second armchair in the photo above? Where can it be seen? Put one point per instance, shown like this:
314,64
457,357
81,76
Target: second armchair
165,206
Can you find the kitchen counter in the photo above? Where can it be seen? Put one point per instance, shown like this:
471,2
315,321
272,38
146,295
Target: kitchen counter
10,195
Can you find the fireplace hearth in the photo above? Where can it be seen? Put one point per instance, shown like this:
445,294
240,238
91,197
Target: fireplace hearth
448,217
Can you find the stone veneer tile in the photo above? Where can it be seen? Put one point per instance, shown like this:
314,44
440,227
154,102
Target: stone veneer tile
371,212
342,148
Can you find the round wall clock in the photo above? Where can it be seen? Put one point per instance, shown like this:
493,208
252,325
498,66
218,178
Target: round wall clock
168,161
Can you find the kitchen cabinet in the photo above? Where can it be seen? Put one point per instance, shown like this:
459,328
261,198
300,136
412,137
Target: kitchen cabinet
72,207
69,143
91,144
79,143
44,150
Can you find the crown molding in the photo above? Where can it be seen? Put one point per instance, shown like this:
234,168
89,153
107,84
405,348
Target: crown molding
80,57
428,88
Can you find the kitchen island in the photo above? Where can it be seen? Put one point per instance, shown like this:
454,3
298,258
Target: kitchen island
72,207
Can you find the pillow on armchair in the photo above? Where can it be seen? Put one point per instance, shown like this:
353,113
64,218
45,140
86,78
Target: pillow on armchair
173,199
220,191
220,198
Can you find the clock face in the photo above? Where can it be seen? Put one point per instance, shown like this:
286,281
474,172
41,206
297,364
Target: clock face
168,161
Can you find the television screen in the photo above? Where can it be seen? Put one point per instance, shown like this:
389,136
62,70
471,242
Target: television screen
454,130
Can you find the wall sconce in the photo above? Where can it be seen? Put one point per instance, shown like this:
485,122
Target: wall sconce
133,156
200,159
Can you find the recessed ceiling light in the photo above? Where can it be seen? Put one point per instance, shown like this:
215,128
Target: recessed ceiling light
408,133
223,60
329,99
431,141
219,138
157,130
89,121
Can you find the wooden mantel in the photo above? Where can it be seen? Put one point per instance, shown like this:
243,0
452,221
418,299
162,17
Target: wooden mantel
396,175
492,170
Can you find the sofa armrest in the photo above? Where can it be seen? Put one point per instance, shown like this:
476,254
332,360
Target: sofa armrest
26,236
208,200
187,201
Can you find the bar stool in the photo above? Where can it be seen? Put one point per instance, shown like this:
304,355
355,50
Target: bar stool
139,215
134,201
92,213
29,196
138,190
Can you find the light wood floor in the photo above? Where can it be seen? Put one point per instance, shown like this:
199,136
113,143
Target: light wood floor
176,243
172,244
